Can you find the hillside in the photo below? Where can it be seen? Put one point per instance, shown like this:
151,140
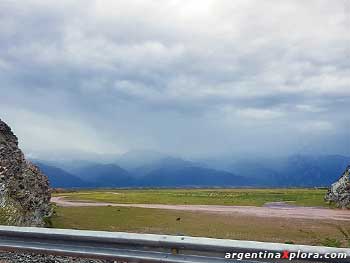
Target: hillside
24,192
105,175
60,178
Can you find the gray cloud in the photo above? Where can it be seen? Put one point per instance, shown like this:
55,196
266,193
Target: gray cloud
182,77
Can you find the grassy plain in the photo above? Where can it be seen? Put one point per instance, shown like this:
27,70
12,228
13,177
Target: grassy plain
233,226
142,220
245,197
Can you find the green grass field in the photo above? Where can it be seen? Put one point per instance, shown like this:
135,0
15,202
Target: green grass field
233,226
141,220
249,197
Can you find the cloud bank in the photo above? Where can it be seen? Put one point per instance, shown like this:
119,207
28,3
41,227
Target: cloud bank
185,77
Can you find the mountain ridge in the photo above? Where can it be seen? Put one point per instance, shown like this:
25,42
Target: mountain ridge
292,171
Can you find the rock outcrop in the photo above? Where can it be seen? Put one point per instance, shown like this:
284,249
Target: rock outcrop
339,192
24,190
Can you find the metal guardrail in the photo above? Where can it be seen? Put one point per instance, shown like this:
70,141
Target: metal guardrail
128,247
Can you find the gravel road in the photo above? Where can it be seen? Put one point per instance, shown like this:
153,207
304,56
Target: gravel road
270,210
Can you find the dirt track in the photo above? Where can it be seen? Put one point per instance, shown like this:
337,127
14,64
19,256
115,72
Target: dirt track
270,210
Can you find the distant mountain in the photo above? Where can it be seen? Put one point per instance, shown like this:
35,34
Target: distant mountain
161,170
293,171
166,163
192,176
302,170
61,178
176,172
260,172
105,175
70,165
133,159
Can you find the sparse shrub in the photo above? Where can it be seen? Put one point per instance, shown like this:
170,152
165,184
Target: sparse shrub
331,242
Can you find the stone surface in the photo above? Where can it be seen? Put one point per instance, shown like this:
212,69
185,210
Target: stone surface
8,257
24,190
339,192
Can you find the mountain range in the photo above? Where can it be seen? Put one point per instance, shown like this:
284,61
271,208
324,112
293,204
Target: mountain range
152,169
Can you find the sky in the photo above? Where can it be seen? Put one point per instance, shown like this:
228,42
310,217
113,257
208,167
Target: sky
192,78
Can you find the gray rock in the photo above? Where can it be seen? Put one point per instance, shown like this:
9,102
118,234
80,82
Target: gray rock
24,190
339,192
8,257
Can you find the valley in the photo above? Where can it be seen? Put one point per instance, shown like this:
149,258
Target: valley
276,215
211,196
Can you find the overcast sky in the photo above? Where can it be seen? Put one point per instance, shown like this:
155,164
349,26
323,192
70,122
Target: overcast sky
190,77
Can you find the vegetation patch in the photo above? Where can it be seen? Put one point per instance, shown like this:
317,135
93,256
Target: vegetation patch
240,227
245,197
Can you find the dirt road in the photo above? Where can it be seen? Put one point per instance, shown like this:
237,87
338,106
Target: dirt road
270,210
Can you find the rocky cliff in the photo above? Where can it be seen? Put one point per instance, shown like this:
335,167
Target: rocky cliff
339,192
24,190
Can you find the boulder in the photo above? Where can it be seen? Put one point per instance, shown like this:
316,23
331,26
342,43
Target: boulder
24,190
339,192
